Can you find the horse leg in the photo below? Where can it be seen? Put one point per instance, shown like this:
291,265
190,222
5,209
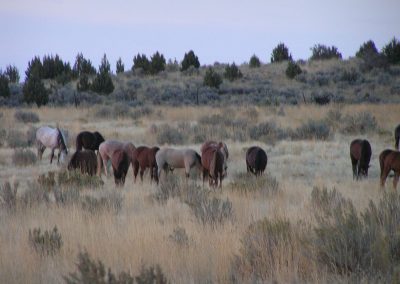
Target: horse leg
52,155
384,174
142,169
105,165
135,171
395,179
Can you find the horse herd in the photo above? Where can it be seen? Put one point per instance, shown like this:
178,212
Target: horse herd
212,162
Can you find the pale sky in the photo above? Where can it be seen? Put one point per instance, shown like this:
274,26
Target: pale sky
225,31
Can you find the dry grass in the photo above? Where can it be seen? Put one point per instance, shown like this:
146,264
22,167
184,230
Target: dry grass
139,233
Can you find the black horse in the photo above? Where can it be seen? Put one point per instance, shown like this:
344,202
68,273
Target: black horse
88,140
256,160
360,154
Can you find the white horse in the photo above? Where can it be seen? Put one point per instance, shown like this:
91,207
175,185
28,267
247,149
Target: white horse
52,138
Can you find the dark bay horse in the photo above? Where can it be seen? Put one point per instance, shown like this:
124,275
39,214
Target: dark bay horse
389,160
52,138
397,137
360,154
256,160
89,140
145,157
107,149
120,164
169,158
213,160
85,161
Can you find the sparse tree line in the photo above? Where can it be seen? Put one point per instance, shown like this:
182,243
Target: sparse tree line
100,81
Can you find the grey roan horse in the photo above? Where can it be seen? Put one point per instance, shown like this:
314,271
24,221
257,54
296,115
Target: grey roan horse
52,138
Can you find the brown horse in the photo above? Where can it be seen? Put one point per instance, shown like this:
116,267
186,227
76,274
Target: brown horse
397,137
145,157
389,160
360,154
89,140
213,160
120,164
169,159
85,161
107,149
220,145
256,160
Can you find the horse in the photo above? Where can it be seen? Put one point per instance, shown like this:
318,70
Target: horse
213,160
52,138
256,160
106,151
85,161
120,164
169,159
145,157
397,137
389,160
360,154
220,145
88,140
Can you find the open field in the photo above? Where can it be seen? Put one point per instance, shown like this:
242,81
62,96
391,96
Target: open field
140,230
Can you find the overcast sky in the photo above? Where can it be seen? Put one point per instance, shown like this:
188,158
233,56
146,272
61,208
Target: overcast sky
224,31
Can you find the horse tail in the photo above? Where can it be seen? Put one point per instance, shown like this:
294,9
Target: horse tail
213,164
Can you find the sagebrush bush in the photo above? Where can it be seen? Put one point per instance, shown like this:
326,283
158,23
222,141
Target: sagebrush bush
77,179
212,78
16,139
292,69
312,129
112,201
23,157
267,132
47,243
232,72
169,135
249,184
8,195
26,116
179,237
36,194
359,123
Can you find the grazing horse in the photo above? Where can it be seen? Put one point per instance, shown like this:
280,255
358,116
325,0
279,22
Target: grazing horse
213,160
397,137
106,151
220,145
169,158
389,160
52,138
85,161
145,157
256,160
120,164
360,154
88,140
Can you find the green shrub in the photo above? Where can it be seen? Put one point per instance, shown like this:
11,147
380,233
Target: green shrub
102,83
35,69
322,52
280,53
179,237
254,62
47,243
26,116
190,59
366,49
212,78
35,92
82,66
232,72
265,131
392,51
292,69
23,157
112,201
120,68
141,61
12,74
4,88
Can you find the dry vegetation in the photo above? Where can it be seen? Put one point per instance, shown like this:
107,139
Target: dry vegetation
283,227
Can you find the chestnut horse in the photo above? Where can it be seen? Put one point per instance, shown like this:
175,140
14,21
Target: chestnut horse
397,137
85,161
389,160
256,160
106,151
220,145
88,140
360,154
120,164
213,160
145,157
169,159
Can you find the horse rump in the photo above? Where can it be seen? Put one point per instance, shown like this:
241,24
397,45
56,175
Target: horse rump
120,164
85,161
